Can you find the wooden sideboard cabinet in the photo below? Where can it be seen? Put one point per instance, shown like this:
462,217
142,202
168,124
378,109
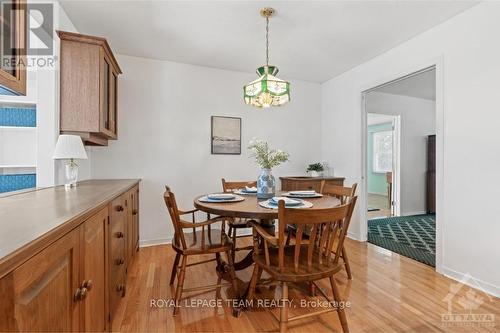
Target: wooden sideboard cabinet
75,281
89,88
12,60
307,183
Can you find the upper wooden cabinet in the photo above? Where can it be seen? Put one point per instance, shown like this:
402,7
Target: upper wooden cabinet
89,88
13,42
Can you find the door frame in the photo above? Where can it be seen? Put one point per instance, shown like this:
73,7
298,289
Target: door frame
394,76
396,161
396,165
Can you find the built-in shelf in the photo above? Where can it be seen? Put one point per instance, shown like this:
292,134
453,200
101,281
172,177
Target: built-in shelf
16,101
16,166
17,128
18,145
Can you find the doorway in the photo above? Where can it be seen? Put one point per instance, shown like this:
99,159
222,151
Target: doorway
400,165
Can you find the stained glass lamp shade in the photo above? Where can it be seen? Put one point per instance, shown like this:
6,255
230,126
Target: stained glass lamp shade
267,90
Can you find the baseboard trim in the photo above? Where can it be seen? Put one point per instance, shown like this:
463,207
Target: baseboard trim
153,242
471,281
422,212
355,237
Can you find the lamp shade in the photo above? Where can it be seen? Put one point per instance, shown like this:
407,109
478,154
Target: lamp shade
267,90
69,146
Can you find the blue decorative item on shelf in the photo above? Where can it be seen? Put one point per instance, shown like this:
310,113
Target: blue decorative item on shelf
6,92
16,182
18,116
266,184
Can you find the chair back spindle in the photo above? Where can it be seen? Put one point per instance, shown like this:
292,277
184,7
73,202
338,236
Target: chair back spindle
173,211
233,186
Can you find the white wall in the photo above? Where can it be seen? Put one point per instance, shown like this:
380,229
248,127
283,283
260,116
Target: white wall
468,188
164,134
418,120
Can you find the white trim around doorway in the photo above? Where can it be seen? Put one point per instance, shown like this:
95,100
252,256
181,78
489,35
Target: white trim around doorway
437,64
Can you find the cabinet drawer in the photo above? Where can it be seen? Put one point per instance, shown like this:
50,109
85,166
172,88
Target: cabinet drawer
117,259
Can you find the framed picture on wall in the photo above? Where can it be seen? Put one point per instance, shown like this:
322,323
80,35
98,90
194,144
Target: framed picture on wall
226,135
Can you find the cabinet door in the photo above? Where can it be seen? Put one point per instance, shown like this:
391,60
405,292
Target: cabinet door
108,86
13,55
45,286
92,277
113,102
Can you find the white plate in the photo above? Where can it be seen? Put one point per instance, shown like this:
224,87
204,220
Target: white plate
292,195
266,204
236,198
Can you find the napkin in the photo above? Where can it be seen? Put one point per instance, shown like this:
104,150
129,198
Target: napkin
221,196
251,189
287,201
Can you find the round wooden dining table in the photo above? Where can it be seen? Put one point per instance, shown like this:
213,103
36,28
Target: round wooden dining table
250,209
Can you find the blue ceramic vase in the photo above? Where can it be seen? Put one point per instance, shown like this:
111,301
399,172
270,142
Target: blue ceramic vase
266,184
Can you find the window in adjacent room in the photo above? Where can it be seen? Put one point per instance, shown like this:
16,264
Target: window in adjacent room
382,151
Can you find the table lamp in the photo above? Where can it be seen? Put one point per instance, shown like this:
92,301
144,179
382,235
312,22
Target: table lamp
70,147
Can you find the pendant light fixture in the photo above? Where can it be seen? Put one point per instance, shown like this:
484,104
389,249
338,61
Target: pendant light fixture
267,90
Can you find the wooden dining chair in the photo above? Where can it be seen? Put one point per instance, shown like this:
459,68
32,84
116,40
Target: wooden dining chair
307,260
237,223
344,194
201,241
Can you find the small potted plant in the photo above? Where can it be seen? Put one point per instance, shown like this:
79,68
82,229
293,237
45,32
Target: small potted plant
315,169
267,159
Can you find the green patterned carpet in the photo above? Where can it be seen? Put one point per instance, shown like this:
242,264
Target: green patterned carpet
410,236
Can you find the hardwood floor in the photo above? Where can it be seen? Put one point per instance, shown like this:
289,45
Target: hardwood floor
389,293
378,201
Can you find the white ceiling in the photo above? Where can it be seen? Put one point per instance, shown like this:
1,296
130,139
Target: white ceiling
309,40
422,85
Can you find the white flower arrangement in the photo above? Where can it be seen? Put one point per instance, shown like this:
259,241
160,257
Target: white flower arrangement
266,157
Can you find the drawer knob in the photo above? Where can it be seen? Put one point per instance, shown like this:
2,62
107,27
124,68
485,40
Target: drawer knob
87,284
120,261
80,294
121,288
134,212
119,208
119,234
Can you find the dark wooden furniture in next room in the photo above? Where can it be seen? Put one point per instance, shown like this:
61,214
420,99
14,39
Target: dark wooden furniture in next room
431,174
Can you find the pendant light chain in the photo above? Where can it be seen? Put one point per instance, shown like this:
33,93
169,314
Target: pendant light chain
267,41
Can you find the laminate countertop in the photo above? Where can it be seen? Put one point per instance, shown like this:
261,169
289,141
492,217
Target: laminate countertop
34,218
